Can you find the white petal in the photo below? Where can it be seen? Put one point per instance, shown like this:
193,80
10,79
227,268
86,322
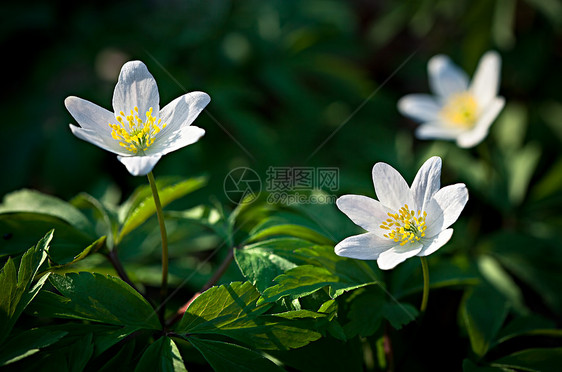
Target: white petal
181,138
94,138
139,165
90,116
427,181
437,130
419,107
363,211
391,188
445,78
480,130
485,83
136,88
183,111
445,207
392,257
363,247
431,245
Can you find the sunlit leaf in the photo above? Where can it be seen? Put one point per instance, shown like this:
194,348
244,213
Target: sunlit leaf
16,289
98,298
31,201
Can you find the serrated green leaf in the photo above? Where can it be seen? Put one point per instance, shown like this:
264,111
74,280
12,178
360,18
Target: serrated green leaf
306,279
162,355
16,292
219,306
28,343
31,201
98,298
262,262
142,205
230,310
223,356
535,360
483,311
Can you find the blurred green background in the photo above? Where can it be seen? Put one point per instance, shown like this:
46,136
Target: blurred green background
293,83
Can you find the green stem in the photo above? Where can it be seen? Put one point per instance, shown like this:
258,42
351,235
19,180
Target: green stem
425,297
160,214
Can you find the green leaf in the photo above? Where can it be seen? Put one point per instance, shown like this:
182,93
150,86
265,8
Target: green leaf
91,249
98,298
365,313
79,353
262,262
31,201
223,356
162,355
219,306
121,360
292,230
16,292
483,311
230,310
22,230
539,360
306,279
28,343
528,325
538,267
107,215
141,205
399,314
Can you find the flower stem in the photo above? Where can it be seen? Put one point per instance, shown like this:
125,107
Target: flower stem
160,214
425,297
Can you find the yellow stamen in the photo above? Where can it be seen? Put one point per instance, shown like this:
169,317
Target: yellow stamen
460,110
133,133
404,226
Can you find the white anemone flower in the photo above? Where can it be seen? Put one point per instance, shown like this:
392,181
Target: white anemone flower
404,222
137,130
458,110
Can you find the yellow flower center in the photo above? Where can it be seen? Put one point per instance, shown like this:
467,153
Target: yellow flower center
135,134
461,110
405,226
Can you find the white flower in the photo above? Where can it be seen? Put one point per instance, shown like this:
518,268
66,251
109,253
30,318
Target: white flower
138,131
404,222
457,110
